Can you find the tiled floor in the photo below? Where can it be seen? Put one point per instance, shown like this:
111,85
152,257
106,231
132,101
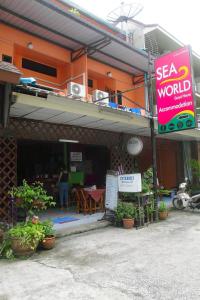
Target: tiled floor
82,219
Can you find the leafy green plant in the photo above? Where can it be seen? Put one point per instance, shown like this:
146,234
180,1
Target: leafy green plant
5,249
28,233
31,197
150,209
125,210
47,228
147,181
161,192
195,166
140,212
163,207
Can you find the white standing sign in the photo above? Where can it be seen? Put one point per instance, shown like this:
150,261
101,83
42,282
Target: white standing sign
130,183
111,192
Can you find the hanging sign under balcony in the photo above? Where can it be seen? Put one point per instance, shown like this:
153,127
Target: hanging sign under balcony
174,91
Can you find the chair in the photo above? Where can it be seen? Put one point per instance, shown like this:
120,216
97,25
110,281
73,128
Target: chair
99,206
83,201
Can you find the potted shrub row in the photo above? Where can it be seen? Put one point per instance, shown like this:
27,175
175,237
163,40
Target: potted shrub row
24,238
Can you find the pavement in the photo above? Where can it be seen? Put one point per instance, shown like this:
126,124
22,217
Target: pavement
158,262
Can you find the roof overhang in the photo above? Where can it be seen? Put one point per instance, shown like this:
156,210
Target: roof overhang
9,73
45,19
185,135
63,110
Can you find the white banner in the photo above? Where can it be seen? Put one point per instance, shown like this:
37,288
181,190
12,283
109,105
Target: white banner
130,183
111,192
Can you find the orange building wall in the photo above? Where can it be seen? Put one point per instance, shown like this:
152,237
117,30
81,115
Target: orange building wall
14,42
79,67
123,81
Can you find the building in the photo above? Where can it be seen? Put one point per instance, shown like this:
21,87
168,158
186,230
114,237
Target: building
60,66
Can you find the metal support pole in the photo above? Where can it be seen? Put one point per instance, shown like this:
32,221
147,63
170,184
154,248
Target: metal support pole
153,137
65,155
154,164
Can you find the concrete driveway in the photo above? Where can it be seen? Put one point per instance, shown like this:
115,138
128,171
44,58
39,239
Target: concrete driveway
159,262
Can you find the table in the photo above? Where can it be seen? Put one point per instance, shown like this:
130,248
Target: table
95,199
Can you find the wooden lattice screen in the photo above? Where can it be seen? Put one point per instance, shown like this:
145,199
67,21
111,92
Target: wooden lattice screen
23,129
120,157
8,174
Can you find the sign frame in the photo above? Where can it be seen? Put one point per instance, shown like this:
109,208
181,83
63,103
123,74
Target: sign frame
130,183
175,93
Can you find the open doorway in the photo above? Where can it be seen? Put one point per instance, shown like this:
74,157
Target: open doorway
42,160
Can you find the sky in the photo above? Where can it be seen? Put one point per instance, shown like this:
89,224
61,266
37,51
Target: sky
179,17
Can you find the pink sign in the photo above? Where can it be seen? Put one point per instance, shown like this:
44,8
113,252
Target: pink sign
174,91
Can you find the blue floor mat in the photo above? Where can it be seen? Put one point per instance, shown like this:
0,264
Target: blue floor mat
62,220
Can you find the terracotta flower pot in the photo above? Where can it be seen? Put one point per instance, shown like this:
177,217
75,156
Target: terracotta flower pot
163,215
128,223
48,242
35,220
23,250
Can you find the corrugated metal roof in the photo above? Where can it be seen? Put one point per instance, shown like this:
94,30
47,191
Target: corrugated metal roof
45,19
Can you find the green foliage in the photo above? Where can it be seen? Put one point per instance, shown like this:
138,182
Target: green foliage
195,166
125,210
162,206
147,181
5,249
140,212
150,209
126,196
74,11
31,197
29,234
162,192
47,228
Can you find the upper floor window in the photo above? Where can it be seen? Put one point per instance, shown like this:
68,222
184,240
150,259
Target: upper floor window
7,58
37,67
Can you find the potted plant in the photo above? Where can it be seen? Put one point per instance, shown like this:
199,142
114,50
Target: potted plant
25,238
163,210
125,213
31,198
48,242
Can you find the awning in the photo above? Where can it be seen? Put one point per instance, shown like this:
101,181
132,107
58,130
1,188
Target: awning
63,110
9,73
45,19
